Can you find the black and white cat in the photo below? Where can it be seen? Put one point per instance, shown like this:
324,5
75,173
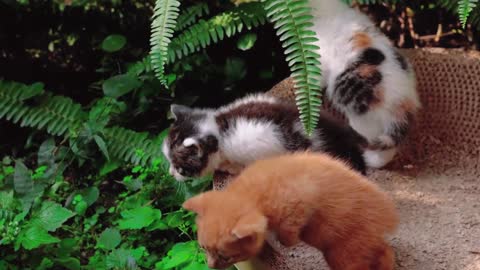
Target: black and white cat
366,78
201,141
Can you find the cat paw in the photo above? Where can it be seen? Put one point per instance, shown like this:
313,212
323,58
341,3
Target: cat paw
379,158
289,239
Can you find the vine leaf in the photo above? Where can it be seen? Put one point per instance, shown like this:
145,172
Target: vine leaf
109,239
51,216
22,179
35,236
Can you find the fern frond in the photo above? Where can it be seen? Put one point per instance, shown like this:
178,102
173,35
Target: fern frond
131,146
163,26
19,92
207,32
465,7
141,66
57,115
190,15
292,20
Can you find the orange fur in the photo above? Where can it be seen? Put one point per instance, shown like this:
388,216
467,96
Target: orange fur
361,40
404,107
303,196
366,71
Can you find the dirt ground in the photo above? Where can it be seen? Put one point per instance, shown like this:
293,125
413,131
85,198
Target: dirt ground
440,221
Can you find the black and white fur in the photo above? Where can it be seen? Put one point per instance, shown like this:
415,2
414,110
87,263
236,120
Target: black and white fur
366,78
201,141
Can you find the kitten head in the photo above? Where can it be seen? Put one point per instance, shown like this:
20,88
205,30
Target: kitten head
191,146
230,229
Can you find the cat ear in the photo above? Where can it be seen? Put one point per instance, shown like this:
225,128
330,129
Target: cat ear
250,226
195,204
180,112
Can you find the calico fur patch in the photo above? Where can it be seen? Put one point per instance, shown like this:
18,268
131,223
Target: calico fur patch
281,114
361,40
357,85
336,138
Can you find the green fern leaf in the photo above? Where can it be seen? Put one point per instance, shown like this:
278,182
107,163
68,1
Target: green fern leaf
58,115
292,20
207,32
465,7
163,25
132,146
190,15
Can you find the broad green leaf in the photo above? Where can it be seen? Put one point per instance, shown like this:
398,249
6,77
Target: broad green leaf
69,263
28,198
67,246
181,253
90,195
101,145
139,252
35,236
81,207
114,43
246,41
97,261
45,264
196,266
109,239
159,224
22,179
120,85
7,202
51,216
138,218
174,219
45,152
109,167
119,259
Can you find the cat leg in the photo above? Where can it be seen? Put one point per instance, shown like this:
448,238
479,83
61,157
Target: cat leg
289,236
360,254
383,149
288,232
379,158
233,169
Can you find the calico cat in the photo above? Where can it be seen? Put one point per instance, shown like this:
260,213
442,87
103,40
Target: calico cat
366,78
298,197
201,141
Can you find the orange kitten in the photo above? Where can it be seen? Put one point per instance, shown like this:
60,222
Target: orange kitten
301,197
